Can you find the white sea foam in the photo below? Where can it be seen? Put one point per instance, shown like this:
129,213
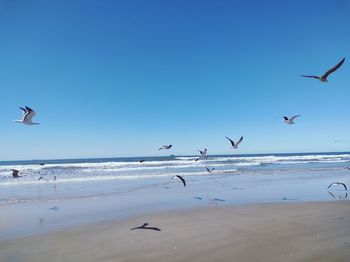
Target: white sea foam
109,170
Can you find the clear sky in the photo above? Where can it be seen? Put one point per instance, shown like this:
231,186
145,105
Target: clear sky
121,78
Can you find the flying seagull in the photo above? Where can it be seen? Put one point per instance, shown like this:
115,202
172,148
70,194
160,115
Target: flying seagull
210,170
165,147
27,116
235,145
290,121
15,173
330,71
337,184
181,178
203,152
145,226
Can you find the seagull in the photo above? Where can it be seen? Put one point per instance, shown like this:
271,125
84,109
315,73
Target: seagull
145,226
41,177
204,152
27,116
210,170
181,178
165,147
337,184
290,121
330,71
15,173
235,145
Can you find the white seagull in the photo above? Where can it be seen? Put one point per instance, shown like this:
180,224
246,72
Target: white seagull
290,121
235,145
165,147
337,184
210,170
323,78
203,152
27,116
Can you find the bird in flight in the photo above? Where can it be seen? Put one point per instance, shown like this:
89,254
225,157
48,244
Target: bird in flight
337,184
330,71
15,173
290,121
181,178
235,145
203,152
167,147
27,116
210,170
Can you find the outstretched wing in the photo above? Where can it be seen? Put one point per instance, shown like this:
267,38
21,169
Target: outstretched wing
285,118
344,186
330,71
294,117
232,143
29,115
239,141
317,77
25,112
182,179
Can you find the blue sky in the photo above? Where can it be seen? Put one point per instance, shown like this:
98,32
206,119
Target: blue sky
130,76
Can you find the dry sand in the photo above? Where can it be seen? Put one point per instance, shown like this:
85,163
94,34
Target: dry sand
267,232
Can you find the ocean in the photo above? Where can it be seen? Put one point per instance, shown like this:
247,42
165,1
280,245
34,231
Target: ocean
88,190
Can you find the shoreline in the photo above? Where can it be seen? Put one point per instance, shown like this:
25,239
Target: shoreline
308,231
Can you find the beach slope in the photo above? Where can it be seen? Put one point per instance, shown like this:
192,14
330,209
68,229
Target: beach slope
318,231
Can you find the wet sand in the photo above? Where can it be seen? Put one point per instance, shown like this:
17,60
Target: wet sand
317,231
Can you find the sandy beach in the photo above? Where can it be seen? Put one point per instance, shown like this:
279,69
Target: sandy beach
317,231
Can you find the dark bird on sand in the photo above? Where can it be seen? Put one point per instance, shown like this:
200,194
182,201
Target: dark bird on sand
330,71
145,226
181,178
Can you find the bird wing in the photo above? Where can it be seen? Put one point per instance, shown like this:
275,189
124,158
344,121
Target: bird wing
232,143
29,115
285,118
330,71
331,185
343,186
294,117
317,77
239,141
182,179
161,148
24,112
